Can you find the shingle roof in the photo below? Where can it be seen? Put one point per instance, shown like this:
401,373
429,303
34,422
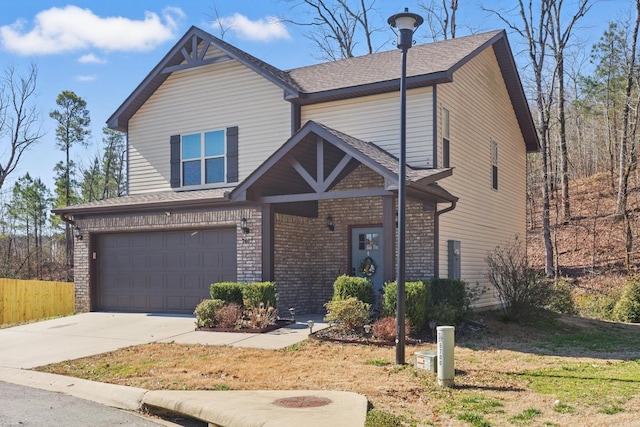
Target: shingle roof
145,201
425,59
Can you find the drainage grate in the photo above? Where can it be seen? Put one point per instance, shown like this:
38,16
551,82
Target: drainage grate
302,402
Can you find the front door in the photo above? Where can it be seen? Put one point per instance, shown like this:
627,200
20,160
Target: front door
367,256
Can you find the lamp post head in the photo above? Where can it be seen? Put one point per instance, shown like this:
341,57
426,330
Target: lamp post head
406,23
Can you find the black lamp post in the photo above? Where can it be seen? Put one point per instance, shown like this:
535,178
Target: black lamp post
406,23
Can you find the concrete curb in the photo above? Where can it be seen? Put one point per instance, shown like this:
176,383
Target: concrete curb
222,408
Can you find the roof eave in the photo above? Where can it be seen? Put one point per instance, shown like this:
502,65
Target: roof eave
306,98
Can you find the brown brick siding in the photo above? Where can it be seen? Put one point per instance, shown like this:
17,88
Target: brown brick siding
249,246
308,256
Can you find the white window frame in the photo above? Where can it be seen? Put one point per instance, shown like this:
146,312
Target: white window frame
203,160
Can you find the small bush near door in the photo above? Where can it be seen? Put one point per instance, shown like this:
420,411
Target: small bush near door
259,292
229,292
416,302
357,287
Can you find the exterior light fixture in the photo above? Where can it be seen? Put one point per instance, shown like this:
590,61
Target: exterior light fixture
406,23
77,233
367,329
310,324
330,224
292,312
243,226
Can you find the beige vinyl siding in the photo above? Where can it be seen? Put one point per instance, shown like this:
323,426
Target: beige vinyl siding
376,119
205,98
481,112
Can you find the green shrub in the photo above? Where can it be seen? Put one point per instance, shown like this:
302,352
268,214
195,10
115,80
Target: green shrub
523,291
357,287
597,305
627,309
350,314
259,292
206,312
444,313
561,300
229,292
416,302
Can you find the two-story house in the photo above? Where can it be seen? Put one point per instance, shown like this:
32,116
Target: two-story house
240,171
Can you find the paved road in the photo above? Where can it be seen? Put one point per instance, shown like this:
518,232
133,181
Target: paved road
25,406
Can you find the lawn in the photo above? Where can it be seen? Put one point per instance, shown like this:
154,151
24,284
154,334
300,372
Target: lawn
560,372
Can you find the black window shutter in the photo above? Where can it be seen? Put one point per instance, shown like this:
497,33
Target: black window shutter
495,177
232,154
175,161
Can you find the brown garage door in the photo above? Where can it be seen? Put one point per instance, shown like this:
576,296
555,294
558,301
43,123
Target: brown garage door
162,272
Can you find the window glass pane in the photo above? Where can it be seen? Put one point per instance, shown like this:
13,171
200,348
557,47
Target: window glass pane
371,241
191,172
214,170
214,143
361,241
191,146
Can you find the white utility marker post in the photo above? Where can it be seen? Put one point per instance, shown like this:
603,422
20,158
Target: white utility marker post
446,344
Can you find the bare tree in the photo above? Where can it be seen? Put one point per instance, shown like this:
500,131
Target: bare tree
559,40
627,153
337,26
441,18
19,119
534,31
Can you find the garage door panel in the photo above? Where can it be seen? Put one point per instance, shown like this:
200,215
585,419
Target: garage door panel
162,271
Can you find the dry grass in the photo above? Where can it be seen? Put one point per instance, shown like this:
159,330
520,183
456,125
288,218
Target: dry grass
490,370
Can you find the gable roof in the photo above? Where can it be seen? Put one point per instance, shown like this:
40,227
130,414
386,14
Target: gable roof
427,64
277,172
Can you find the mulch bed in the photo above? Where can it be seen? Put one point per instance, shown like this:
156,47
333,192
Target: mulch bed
279,324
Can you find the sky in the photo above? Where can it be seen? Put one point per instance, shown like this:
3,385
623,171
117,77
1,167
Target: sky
102,50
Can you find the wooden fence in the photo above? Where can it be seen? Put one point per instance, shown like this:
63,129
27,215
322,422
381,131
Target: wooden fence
22,300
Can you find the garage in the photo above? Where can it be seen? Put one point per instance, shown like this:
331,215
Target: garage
161,272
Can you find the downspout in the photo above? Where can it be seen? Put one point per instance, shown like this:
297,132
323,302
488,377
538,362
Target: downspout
436,234
63,217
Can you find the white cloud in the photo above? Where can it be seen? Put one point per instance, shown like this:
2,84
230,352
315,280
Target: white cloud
90,58
264,29
71,28
89,78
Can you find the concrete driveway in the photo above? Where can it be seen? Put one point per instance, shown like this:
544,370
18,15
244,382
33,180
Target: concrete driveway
86,334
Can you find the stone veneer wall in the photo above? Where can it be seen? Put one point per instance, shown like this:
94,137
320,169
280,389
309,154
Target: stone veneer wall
249,246
308,256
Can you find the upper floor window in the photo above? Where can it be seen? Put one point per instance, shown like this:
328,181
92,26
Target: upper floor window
494,165
446,153
203,158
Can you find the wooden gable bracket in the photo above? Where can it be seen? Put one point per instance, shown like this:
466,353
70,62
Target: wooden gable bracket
320,184
195,58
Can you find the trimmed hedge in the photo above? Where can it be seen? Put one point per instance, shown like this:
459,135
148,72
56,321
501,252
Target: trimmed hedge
357,287
627,309
229,292
259,292
416,302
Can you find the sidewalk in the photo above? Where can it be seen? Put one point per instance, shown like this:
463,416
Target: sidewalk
56,340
